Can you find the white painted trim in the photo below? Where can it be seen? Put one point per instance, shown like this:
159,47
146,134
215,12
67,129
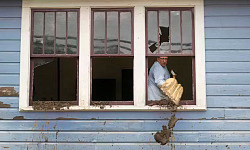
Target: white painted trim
139,56
123,108
84,56
25,59
139,50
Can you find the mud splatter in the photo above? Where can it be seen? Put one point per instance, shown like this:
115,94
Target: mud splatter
100,104
163,135
18,118
2,105
167,104
166,132
52,105
172,121
8,91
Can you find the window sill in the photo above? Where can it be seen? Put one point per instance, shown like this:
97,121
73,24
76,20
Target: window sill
118,108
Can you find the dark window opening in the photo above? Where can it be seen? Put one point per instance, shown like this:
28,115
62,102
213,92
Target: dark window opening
112,79
55,79
182,66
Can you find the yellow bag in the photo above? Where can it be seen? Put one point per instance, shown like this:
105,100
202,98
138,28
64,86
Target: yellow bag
173,90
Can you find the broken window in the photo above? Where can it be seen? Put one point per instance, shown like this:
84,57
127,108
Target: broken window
54,55
112,56
170,32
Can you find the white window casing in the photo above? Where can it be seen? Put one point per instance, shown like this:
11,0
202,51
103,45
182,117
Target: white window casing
139,51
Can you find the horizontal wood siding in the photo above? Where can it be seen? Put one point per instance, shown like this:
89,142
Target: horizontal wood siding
225,124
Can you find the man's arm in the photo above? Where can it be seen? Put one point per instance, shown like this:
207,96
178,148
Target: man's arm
159,76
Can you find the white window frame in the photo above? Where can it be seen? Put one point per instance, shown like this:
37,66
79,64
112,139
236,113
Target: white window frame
139,51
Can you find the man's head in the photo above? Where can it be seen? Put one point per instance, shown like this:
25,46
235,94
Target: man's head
162,60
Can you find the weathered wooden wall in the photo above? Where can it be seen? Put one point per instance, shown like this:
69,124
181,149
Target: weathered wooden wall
225,124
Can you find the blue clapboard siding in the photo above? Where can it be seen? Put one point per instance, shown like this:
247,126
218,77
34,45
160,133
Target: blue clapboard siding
226,67
228,43
227,55
9,68
9,57
227,33
13,3
237,3
227,10
228,101
9,79
219,90
126,146
225,21
10,34
10,23
118,137
227,78
11,11
225,124
10,113
9,45
123,125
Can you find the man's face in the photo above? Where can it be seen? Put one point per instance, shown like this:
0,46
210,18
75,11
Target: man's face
162,61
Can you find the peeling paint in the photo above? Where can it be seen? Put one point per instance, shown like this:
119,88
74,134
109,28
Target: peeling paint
18,118
8,91
2,105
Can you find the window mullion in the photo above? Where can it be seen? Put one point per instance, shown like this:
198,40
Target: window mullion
139,57
84,56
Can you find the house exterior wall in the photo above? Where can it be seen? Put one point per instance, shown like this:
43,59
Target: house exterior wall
225,124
